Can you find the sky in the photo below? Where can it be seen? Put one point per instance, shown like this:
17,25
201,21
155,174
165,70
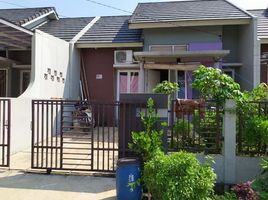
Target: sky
80,8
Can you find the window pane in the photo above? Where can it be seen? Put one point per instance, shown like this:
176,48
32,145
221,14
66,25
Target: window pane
123,82
134,82
182,86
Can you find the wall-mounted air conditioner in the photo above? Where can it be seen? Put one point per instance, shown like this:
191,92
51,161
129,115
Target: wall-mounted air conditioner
123,57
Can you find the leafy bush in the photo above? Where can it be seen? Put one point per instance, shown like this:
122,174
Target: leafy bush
146,143
178,176
166,87
244,191
261,183
226,196
183,132
256,132
213,84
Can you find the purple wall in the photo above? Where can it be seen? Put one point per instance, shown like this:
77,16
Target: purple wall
201,47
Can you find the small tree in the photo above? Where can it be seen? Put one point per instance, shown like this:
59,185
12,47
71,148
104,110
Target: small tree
213,84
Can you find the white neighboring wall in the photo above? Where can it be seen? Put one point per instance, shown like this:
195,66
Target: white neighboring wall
48,52
50,68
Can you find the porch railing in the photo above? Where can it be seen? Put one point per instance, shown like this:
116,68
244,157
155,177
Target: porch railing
251,140
195,126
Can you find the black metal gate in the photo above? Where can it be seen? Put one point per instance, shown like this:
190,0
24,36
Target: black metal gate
4,132
74,135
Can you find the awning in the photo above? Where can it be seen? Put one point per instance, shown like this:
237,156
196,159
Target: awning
13,36
184,56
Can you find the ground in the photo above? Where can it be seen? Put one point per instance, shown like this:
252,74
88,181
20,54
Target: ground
22,183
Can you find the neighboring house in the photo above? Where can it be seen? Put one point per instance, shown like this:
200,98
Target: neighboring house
16,45
262,15
180,35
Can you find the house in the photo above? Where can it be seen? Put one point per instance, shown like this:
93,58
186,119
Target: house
262,15
42,56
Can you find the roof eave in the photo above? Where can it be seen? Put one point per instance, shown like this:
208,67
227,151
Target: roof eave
52,14
82,45
187,23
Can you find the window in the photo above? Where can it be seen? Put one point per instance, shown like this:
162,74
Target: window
181,79
24,80
229,72
128,82
3,82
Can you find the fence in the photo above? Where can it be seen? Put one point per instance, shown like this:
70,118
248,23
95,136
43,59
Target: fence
4,132
251,138
195,126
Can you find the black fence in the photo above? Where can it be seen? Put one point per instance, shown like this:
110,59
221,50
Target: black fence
195,126
5,132
252,128
82,136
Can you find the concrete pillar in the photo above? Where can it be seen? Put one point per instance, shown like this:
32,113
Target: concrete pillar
229,149
141,78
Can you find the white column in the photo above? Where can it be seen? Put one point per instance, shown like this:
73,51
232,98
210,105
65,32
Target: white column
141,78
229,132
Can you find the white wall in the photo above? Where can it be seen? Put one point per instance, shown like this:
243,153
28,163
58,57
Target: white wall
153,78
48,52
21,118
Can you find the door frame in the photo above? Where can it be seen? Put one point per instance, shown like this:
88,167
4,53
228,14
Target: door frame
128,71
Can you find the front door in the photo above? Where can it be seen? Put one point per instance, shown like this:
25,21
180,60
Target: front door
3,82
127,82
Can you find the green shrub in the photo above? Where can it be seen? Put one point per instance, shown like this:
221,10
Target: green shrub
166,87
178,176
149,141
256,132
183,130
226,196
261,183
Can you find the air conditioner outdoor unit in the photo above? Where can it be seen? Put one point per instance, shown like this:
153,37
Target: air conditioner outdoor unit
123,57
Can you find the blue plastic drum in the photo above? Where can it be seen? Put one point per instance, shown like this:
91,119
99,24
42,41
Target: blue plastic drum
128,172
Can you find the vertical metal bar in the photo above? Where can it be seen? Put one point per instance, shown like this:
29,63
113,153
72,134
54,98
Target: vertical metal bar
98,136
33,128
8,132
114,118
103,120
47,104
172,124
56,130
61,135
1,142
124,129
51,143
92,137
3,133
110,107
218,127
37,121
42,134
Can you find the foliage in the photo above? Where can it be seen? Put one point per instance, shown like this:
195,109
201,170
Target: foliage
244,191
213,84
261,183
257,94
226,196
183,132
146,143
178,176
166,87
256,131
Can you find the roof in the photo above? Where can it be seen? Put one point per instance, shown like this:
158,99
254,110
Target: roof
186,10
21,16
65,28
111,29
262,15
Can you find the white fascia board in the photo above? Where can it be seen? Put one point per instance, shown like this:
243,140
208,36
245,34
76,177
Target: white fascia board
84,30
40,17
187,23
82,45
19,28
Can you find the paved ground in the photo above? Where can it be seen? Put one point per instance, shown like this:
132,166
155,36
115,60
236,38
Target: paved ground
19,184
